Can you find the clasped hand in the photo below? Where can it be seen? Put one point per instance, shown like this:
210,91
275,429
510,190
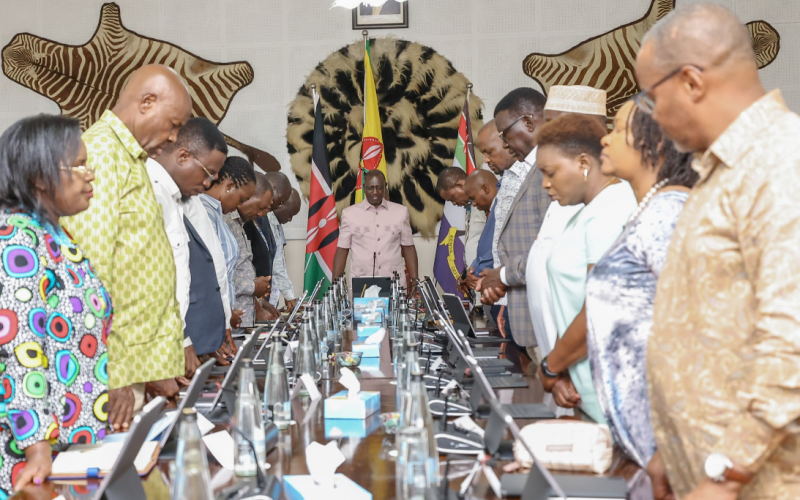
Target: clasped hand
491,286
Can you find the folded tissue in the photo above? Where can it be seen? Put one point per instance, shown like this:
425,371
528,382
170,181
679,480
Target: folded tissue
352,403
371,346
322,480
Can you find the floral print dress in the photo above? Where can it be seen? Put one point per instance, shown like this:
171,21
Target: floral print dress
54,319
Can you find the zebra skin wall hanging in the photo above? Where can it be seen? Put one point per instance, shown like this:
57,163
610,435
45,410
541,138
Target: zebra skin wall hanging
607,61
86,80
420,96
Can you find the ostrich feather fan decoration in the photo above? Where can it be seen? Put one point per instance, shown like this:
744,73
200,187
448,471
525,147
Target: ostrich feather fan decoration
420,97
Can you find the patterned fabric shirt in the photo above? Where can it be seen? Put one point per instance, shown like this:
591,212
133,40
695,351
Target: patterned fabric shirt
122,233
54,319
280,276
226,239
724,355
509,185
244,276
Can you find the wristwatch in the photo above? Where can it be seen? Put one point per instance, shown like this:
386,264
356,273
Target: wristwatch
546,370
719,468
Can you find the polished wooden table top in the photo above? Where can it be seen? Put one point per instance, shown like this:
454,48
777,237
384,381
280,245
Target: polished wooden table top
368,460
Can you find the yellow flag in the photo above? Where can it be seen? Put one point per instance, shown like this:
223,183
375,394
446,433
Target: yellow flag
372,156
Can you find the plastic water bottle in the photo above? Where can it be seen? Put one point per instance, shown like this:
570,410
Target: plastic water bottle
192,479
277,404
250,422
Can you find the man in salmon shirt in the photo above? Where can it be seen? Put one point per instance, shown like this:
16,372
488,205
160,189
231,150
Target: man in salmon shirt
379,234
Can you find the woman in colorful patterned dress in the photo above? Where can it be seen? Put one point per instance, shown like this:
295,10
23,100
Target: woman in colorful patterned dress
54,312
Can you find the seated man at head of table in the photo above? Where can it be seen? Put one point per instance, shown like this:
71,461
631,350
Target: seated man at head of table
379,234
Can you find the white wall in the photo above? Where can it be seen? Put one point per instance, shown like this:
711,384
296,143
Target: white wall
284,39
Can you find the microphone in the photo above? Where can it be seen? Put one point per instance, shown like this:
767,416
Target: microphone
261,478
374,260
266,485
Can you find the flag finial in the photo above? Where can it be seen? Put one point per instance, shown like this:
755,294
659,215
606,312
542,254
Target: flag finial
365,33
313,86
469,86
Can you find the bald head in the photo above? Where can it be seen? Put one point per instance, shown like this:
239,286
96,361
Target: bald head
281,188
699,71
481,187
703,34
498,158
289,208
154,105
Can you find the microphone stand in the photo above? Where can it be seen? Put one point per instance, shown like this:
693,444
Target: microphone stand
374,261
261,478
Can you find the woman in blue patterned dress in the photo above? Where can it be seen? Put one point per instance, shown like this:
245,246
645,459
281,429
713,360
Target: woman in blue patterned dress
54,312
621,288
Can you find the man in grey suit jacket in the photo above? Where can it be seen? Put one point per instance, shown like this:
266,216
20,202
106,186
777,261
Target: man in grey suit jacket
518,116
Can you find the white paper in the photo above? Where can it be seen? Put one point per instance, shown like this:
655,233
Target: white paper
322,462
76,460
436,364
377,337
350,381
311,386
221,478
204,424
221,444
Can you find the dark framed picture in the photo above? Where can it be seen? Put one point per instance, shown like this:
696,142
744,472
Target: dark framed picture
392,14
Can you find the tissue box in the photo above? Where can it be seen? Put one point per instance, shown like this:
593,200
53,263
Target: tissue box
361,303
302,487
365,331
368,364
340,405
350,427
368,350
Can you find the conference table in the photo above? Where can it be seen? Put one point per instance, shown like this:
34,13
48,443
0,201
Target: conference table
369,461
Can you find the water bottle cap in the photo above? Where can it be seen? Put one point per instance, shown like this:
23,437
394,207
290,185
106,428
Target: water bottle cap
190,414
247,363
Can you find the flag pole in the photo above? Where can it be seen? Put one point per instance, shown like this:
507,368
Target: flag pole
314,95
365,33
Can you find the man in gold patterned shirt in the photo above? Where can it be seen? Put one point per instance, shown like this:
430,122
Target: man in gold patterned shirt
724,354
123,234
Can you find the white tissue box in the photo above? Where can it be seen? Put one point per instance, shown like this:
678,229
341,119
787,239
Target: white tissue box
362,303
368,350
351,427
302,487
365,331
370,364
341,405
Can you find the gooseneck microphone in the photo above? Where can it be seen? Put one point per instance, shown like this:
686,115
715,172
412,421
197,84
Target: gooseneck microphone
374,260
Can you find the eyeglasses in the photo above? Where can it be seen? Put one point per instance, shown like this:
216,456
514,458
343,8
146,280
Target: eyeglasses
643,99
211,176
503,133
80,168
